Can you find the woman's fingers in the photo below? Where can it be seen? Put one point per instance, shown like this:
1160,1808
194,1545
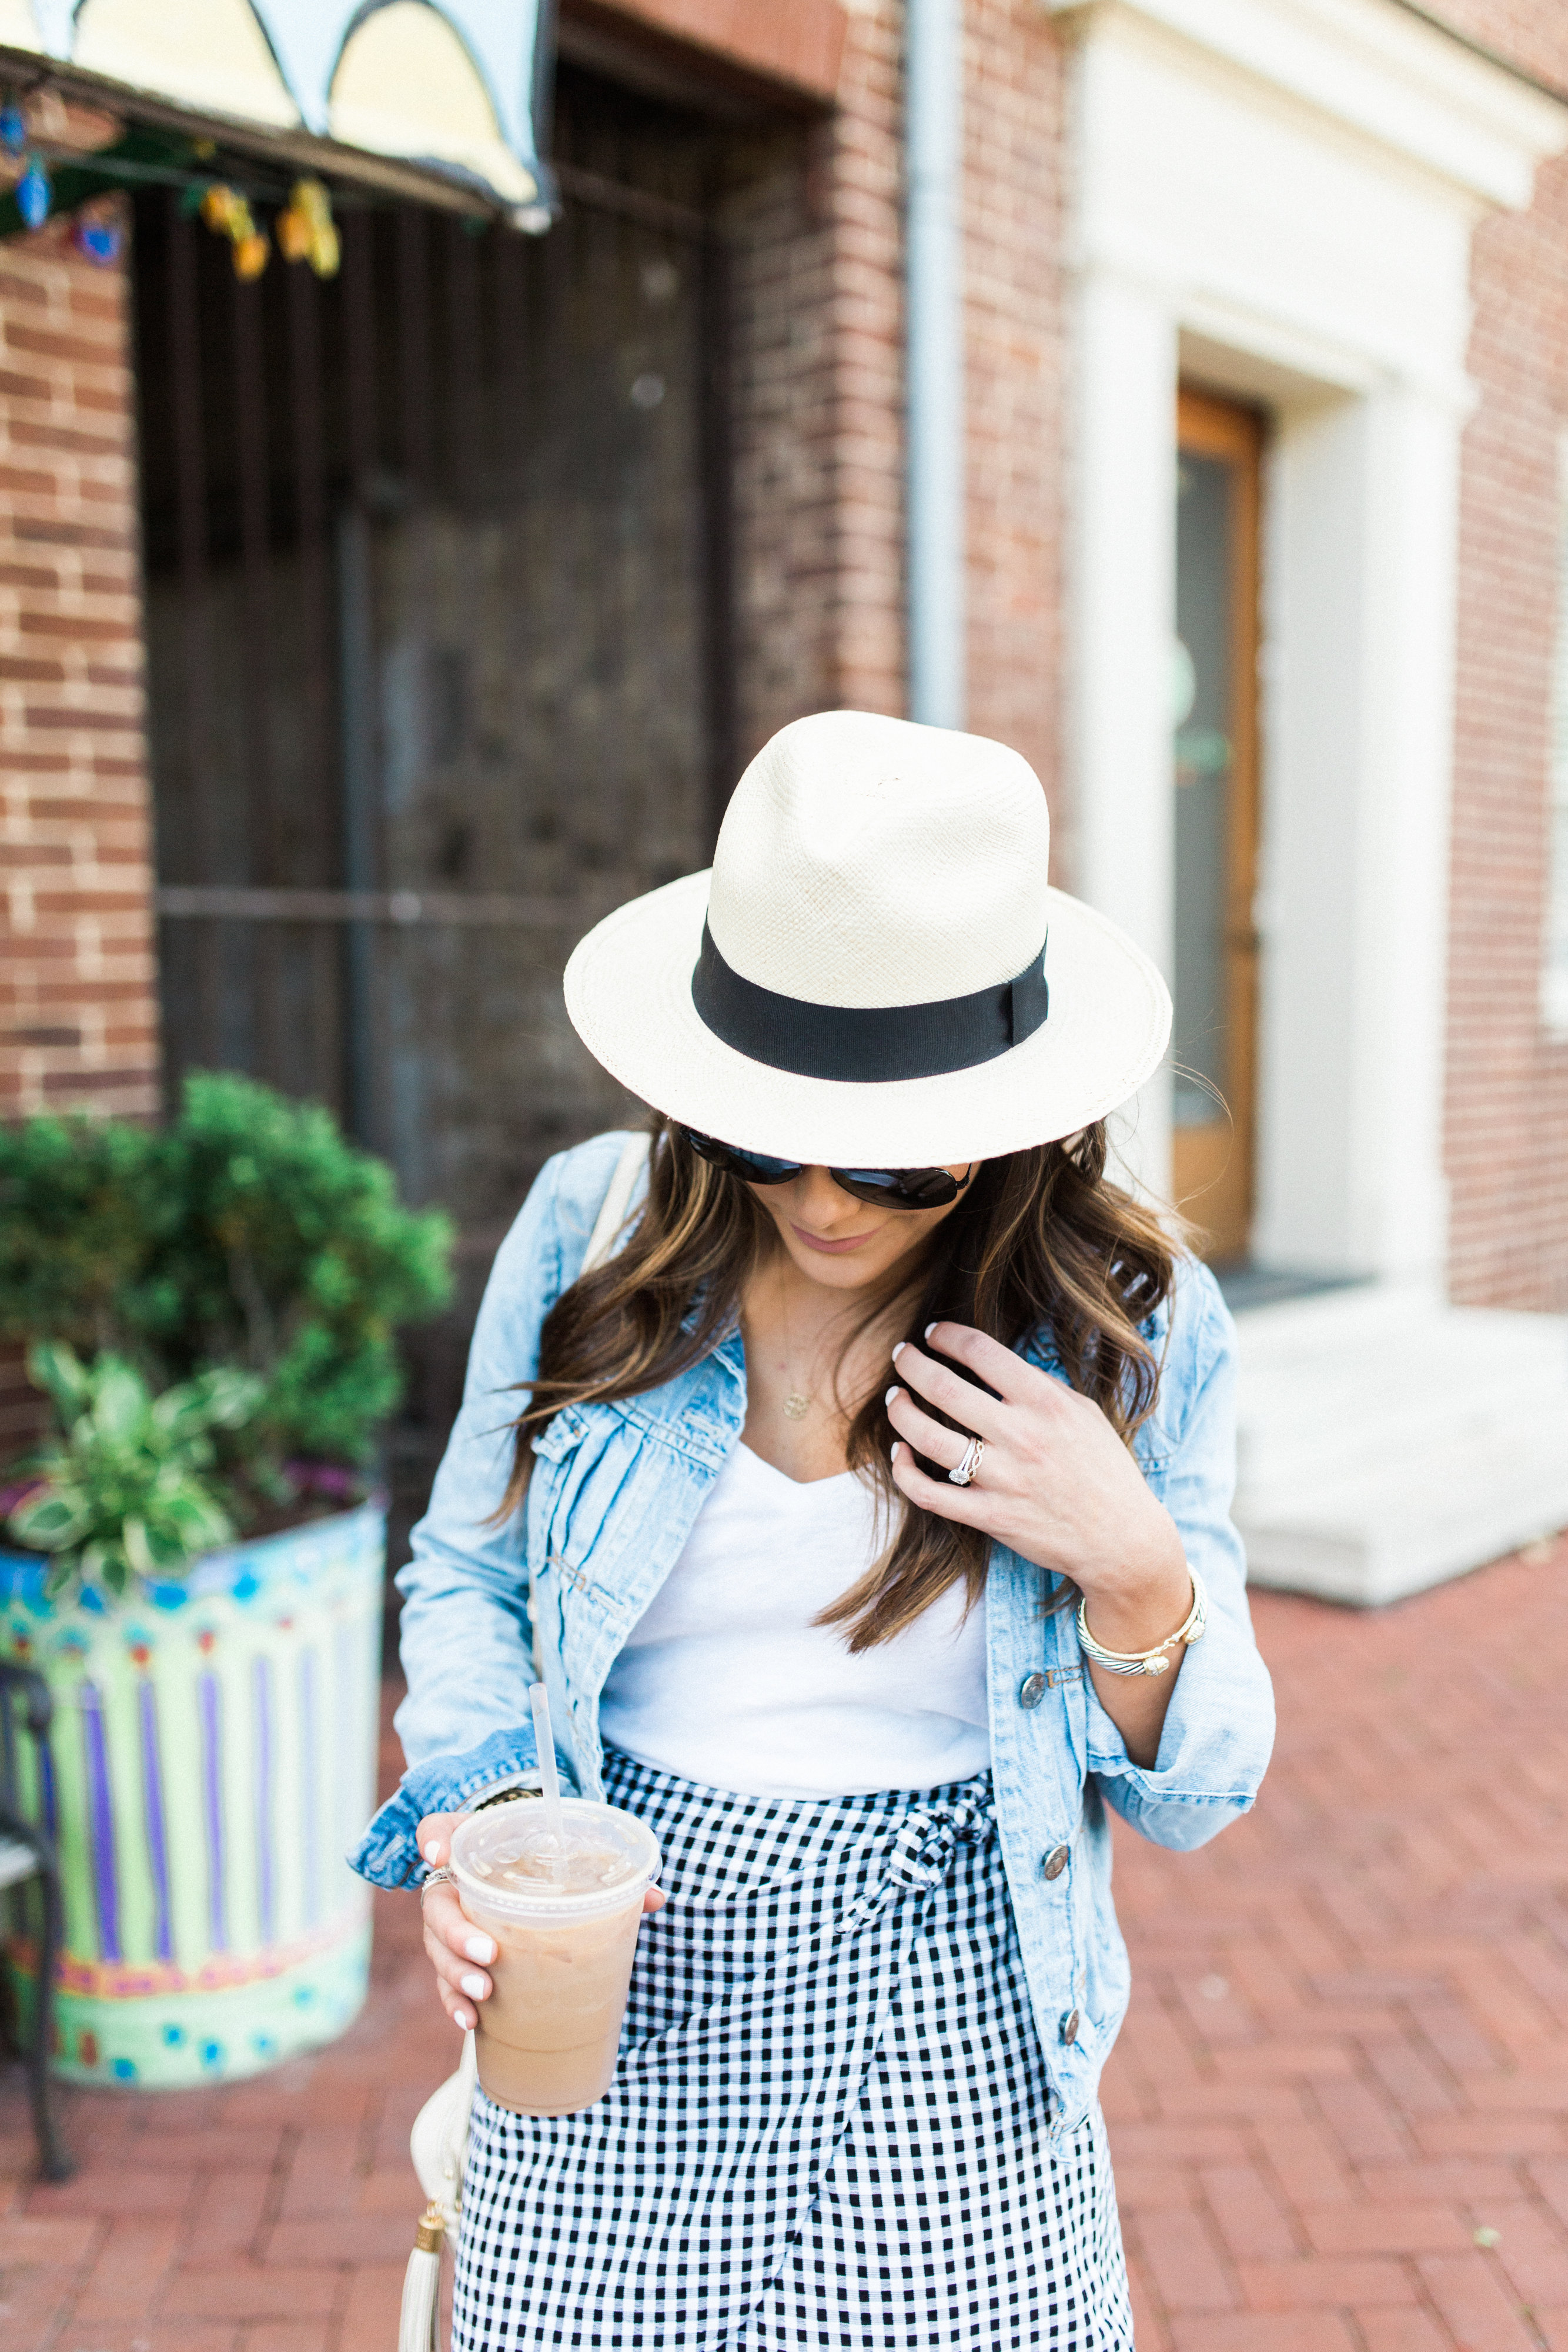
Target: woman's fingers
457,1979
949,1391
932,1438
452,1938
939,1495
434,1838
451,1943
1012,1378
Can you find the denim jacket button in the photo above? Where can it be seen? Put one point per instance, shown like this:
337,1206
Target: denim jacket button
1056,1862
1032,1690
1068,2026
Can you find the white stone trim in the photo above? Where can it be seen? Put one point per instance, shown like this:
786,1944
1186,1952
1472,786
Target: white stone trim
1409,88
1280,197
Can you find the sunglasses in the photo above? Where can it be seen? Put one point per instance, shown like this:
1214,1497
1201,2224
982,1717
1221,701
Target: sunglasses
884,1188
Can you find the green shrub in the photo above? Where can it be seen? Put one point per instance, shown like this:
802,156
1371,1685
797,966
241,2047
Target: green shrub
81,1207
126,1488
247,1236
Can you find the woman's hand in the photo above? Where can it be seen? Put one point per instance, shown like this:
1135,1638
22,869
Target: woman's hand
460,1953
1056,1485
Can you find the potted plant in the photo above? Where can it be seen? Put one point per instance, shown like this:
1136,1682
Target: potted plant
210,1312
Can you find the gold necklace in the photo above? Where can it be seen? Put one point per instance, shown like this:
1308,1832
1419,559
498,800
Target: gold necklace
798,1404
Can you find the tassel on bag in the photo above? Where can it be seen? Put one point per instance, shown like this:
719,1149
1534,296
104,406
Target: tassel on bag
421,2316
439,2146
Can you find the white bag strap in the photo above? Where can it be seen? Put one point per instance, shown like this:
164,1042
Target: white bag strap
439,2140
614,1207
439,2146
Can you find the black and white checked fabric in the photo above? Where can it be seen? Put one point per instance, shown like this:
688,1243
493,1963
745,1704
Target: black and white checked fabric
827,2124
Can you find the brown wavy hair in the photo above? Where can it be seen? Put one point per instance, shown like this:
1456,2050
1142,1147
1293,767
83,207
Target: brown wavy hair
1040,1241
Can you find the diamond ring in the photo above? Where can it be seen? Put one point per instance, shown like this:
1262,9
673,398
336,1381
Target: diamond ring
964,1474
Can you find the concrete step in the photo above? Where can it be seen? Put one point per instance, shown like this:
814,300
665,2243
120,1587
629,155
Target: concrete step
1338,1384
1387,1441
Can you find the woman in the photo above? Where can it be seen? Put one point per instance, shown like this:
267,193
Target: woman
869,1512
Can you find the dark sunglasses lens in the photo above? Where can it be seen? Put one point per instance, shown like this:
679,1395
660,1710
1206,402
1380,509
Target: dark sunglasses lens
751,1167
900,1187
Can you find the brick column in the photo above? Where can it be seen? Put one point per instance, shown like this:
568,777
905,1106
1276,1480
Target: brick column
814,220
1016,336
1508,1078
79,1023
79,989
816,231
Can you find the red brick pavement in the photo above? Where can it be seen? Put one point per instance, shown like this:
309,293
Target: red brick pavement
1339,2110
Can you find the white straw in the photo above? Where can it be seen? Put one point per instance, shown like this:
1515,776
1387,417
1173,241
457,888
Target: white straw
549,1779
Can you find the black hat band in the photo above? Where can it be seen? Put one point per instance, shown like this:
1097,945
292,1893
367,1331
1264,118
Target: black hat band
867,1044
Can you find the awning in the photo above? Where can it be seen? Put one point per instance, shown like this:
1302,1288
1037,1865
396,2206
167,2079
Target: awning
453,86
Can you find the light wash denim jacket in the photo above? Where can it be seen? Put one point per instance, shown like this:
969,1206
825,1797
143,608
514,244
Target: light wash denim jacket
613,1494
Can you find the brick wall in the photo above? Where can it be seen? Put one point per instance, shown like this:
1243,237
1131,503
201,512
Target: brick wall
77,990
77,985
1508,1079
816,221
1015,386
797,44
813,216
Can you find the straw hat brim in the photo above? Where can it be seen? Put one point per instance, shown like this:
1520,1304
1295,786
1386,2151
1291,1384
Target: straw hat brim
629,996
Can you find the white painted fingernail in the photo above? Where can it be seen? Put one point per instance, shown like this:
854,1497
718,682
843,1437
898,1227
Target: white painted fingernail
897,1449
431,1852
899,1349
929,1329
889,1397
474,1986
462,2020
480,1948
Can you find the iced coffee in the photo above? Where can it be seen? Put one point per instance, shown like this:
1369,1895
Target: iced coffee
565,1912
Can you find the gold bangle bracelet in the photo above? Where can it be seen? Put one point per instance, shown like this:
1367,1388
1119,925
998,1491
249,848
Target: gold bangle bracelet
1147,1662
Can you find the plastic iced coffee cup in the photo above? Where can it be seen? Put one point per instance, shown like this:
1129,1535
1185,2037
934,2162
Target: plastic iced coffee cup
565,1915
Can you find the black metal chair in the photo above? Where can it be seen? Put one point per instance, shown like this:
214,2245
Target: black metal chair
27,1859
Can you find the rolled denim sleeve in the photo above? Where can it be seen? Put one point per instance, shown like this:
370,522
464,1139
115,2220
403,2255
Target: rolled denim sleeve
1219,1733
388,1854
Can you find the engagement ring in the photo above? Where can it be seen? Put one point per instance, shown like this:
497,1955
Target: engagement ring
965,1473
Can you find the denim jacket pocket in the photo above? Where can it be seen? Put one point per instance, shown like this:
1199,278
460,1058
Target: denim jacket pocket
560,1436
581,1483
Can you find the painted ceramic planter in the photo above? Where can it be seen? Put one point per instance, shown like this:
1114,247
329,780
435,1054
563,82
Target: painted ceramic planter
213,1759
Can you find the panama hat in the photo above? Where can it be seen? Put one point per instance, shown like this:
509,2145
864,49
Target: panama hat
876,972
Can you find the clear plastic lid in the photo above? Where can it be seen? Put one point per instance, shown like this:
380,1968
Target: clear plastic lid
505,1860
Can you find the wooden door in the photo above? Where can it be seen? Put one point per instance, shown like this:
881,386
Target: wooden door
1214,1043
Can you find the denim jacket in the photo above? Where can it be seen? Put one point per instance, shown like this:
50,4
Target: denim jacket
613,1494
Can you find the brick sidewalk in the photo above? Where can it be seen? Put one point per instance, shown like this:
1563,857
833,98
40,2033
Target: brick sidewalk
1339,2109
1346,2066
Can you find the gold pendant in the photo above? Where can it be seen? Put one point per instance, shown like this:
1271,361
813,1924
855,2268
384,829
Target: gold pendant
796,1406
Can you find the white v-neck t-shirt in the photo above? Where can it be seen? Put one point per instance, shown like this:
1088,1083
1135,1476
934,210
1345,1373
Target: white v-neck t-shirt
724,1679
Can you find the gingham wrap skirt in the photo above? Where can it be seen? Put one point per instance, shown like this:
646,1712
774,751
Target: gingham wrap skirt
828,2123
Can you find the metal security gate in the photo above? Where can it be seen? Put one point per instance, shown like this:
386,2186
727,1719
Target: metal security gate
436,597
